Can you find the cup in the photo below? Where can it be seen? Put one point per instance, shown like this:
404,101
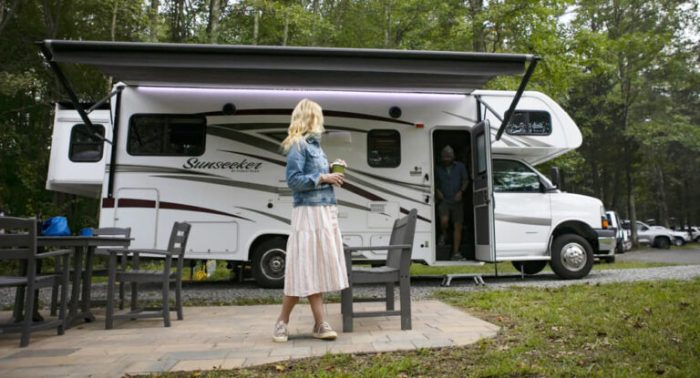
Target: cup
338,168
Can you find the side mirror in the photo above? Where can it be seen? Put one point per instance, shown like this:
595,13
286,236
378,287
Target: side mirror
556,177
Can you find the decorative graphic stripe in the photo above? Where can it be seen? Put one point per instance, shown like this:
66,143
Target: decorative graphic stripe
379,188
245,138
406,211
396,182
523,220
473,121
361,192
326,113
276,217
108,203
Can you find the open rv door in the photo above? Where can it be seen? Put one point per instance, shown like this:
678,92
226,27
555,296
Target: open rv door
483,193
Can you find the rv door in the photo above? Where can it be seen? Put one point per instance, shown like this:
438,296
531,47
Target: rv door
483,193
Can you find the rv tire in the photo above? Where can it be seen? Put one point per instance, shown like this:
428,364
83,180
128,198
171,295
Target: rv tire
529,267
268,263
572,256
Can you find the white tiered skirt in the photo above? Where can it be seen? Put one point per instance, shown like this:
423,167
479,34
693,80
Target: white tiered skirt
315,261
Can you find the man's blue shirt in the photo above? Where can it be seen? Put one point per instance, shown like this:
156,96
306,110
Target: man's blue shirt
449,181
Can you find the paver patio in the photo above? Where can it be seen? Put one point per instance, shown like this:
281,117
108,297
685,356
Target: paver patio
226,337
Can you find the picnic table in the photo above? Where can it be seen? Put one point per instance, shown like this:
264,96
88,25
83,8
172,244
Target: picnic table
83,256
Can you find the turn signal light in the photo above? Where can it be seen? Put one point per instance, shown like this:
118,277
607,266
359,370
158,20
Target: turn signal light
604,222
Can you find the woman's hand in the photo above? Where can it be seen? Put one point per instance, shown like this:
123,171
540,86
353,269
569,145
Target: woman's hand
336,179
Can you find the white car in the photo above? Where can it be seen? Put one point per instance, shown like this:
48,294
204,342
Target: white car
655,236
690,233
679,237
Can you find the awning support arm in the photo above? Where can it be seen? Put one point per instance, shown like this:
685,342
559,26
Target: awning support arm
489,108
523,83
105,99
69,89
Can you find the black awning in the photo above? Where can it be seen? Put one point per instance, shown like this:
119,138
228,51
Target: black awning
166,64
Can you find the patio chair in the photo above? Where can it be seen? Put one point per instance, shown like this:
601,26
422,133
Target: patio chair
133,274
117,232
18,243
395,271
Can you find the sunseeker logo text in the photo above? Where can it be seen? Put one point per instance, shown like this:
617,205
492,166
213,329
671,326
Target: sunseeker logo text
233,166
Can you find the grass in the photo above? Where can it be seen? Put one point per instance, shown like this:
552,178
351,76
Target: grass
641,329
223,274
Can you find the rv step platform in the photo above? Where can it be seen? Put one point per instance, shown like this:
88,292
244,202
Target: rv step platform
446,279
458,263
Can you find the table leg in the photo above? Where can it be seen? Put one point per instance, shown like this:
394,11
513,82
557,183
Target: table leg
75,289
19,295
87,284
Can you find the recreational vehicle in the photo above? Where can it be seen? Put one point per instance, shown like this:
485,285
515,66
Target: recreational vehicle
192,133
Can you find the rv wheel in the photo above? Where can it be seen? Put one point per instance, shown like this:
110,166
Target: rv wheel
572,256
268,263
529,267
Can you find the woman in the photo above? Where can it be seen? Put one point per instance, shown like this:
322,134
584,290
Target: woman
315,262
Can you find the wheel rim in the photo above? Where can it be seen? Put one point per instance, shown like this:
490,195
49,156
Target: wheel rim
573,256
679,242
272,263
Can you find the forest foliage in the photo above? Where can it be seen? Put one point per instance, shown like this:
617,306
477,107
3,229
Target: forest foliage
626,70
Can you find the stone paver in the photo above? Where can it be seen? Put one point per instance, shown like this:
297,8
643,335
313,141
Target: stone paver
226,338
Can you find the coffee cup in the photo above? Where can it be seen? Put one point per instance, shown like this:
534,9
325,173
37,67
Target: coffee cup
338,167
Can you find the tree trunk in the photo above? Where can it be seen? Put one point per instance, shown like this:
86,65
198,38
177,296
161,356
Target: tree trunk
285,34
631,205
115,10
387,22
7,11
177,31
661,196
214,17
256,26
52,18
476,7
153,21
317,16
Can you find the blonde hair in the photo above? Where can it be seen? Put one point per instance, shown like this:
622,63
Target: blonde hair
307,119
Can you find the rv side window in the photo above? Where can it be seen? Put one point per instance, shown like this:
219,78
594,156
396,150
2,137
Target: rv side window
383,148
530,122
514,176
85,145
167,135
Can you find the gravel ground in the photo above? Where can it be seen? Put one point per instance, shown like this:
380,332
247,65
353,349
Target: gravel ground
202,293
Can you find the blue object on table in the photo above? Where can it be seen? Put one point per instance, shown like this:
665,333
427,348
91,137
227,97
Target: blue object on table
87,231
55,226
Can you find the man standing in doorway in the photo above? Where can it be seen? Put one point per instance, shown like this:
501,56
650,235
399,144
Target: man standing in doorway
452,181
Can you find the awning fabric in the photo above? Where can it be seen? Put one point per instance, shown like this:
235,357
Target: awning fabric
268,67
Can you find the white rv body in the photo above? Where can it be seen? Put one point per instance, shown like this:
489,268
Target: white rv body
235,196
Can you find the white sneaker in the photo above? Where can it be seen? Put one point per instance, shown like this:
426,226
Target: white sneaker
324,332
280,333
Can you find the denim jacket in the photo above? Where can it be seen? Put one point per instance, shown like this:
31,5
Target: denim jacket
306,162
